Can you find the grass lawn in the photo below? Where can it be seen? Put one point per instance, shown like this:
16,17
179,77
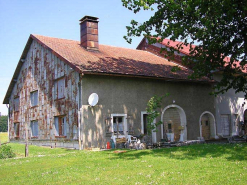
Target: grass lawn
4,137
195,164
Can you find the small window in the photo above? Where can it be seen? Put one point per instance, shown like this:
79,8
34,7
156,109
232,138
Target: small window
16,104
60,126
16,129
169,127
59,88
34,98
34,128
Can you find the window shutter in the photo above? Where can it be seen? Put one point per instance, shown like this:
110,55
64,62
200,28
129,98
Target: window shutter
64,126
36,128
60,88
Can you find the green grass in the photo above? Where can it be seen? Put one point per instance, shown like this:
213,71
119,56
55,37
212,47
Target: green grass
195,164
4,137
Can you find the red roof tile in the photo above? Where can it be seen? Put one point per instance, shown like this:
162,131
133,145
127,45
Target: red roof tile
186,50
113,60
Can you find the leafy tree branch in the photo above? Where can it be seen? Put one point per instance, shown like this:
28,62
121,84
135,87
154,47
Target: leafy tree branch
215,31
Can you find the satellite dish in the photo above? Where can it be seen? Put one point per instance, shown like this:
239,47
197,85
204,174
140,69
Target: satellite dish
93,99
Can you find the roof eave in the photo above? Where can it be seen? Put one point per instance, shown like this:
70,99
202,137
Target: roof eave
17,71
150,77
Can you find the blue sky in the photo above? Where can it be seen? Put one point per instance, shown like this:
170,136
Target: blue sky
56,18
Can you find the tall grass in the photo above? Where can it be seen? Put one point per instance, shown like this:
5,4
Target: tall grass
195,164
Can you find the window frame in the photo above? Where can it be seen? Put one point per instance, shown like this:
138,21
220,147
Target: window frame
154,137
124,124
60,126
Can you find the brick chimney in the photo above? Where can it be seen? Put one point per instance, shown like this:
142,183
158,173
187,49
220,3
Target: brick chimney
89,33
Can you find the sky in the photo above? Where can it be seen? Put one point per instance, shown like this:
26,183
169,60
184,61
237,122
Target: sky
60,19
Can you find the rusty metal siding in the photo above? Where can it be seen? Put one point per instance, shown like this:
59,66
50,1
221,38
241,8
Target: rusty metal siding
39,72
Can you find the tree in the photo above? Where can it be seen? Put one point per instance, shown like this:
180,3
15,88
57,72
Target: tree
153,105
3,123
218,28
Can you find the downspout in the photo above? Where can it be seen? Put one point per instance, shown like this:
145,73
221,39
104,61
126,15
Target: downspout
8,121
79,113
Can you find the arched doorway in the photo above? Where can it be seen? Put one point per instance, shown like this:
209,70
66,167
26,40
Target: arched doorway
174,123
207,125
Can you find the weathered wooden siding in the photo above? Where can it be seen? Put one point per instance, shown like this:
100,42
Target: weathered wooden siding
39,72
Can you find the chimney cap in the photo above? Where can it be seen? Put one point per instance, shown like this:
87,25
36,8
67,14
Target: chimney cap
89,18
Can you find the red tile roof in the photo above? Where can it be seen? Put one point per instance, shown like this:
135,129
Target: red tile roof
186,50
113,60
170,43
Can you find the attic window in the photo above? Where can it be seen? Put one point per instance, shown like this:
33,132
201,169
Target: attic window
34,98
59,88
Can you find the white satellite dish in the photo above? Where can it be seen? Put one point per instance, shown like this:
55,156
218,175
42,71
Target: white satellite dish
93,99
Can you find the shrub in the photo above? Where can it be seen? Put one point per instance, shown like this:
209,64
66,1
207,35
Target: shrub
6,152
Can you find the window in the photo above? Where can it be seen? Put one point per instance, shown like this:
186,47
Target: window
34,128
34,98
59,88
145,124
16,104
16,129
118,125
169,125
60,126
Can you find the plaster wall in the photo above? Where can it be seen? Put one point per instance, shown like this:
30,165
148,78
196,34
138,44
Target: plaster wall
121,95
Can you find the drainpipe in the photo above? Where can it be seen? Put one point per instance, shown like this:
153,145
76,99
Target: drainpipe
8,120
79,115
79,112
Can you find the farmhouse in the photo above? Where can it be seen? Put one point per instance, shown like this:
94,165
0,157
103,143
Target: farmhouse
54,78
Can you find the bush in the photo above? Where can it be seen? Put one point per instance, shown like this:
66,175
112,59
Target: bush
6,152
